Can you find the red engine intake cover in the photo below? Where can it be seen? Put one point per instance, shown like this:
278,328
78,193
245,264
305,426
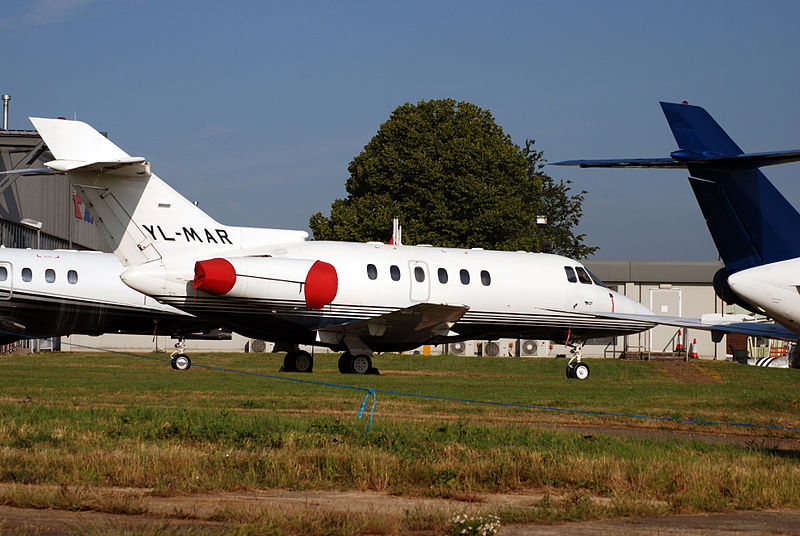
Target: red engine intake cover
321,286
215,276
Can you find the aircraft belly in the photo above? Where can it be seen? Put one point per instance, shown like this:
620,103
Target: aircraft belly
52,317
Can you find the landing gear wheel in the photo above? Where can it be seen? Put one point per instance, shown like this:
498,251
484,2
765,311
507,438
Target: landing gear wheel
181,362
178,360
303,362
346,363
361,364
289,361
580,371
570,371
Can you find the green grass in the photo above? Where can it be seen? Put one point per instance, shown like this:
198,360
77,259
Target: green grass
108,420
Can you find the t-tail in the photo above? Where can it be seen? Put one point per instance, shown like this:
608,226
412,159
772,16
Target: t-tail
142,217
750,222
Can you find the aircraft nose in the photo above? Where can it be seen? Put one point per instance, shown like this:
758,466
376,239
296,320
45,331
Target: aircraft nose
624,304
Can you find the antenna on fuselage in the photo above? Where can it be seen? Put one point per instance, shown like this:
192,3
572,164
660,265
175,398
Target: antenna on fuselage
397,233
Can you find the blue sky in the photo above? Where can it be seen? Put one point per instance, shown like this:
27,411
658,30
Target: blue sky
255,109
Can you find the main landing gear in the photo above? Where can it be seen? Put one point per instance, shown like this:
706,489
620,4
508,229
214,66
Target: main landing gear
356,364
576,369
298,361
178,359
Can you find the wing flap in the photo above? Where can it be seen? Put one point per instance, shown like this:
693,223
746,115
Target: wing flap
415,324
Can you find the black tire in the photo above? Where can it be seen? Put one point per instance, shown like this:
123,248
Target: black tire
289,361
580,371
361,364
570,371
346,363
181,362
303,361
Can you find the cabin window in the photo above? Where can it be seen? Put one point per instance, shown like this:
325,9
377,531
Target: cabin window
583,276
372,271
486,278
3,273
50,275
72,277
419,274
442,276
27,275
394,271
464,277
571,277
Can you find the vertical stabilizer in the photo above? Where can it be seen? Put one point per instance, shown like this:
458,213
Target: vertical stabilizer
750,221
141,216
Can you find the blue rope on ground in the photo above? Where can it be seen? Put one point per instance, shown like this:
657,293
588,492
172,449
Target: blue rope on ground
373,392
363,405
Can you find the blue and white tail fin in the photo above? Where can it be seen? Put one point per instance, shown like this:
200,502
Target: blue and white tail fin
750,222
142,217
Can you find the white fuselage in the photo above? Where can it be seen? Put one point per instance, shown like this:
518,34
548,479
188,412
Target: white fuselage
46,293
507,293
774,289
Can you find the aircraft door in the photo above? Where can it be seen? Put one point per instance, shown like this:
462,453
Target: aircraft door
420,281
6,280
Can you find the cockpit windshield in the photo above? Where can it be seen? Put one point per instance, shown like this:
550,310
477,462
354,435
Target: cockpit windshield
597,280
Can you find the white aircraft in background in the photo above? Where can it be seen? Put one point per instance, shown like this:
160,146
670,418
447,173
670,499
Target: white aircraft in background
755,229
53,293
357,298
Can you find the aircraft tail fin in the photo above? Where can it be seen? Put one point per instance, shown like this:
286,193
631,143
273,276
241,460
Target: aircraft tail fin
697,132
141,217
750,221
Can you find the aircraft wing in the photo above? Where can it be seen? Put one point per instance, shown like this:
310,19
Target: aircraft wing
415,324
737,324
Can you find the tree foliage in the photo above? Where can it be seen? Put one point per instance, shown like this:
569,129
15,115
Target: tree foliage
454,179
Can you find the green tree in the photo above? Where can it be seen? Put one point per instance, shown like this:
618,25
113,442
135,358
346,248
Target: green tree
454,179
563,210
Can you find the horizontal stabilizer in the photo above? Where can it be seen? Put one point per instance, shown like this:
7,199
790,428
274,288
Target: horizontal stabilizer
31,172
132,165
667,163
682,159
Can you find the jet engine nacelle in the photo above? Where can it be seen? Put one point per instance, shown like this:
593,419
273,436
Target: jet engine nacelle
268,277
724,291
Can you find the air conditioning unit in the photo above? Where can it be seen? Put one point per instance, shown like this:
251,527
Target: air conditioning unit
529,347
462,348
257,345
534,348
491,349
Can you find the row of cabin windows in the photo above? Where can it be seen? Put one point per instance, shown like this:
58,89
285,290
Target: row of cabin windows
419,275
49,275
582,274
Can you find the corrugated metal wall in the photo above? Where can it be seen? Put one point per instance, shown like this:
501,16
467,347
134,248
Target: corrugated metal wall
48,199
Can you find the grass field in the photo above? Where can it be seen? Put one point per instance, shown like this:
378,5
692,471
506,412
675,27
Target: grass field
73,424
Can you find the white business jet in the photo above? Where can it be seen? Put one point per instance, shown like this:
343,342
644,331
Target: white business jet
352,297
53,293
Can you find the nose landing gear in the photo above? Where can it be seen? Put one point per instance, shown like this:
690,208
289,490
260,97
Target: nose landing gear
575,368
178,359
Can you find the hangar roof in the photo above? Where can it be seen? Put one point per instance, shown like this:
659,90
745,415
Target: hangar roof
698,272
